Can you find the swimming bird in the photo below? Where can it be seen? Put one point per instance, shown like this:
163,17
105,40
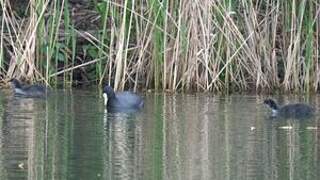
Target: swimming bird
298,110
125,101
28,90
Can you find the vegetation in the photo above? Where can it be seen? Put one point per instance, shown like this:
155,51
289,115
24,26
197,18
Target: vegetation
207,45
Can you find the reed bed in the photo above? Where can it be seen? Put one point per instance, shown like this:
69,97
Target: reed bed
207,45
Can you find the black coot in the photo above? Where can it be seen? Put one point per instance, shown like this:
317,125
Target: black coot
298,110
28,90
123,101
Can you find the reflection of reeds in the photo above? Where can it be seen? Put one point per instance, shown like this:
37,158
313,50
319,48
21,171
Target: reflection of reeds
204,45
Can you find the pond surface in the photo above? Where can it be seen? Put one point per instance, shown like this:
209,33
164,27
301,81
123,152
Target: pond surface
70,136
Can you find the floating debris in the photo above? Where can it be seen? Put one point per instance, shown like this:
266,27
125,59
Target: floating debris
312,128
285,127
21,165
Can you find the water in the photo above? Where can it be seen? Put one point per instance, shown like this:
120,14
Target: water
70,136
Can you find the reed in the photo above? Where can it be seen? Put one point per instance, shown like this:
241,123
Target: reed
219,46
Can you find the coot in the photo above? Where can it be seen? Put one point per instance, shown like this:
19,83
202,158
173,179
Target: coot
298,110
125,101
28,90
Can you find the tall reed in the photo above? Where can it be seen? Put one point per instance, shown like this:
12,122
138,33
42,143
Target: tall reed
220,46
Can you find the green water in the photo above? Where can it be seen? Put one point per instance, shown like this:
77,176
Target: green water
71,136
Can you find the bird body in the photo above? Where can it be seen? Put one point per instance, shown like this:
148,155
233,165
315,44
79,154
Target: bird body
122,101
28,90
298,110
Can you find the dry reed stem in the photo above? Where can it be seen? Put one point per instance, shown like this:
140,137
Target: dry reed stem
207,45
